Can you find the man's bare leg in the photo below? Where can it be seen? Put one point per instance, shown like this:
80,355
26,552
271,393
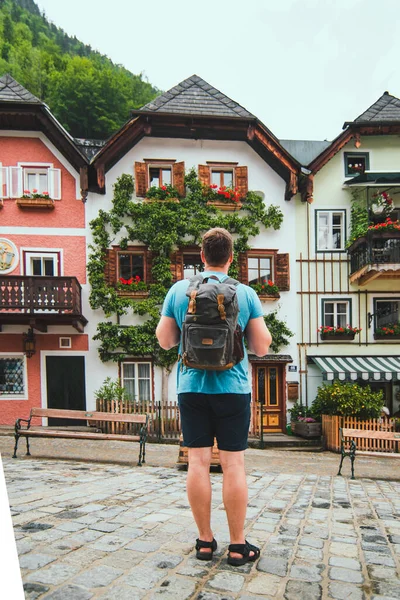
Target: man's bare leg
235,495
198,487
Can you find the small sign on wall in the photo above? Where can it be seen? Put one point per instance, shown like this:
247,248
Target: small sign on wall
292,369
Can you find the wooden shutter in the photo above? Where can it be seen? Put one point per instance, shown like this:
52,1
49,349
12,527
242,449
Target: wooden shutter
140,179
242,181
205,174
54,177
16,188
148,264
178,180
111,267
282,274
243,272
177,266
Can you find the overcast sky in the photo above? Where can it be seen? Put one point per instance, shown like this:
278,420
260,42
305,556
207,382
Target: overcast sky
303,67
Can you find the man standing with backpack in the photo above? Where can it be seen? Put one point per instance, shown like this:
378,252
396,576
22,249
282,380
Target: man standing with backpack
206,316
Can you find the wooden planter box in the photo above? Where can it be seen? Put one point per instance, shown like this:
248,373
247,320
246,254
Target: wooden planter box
338,337
269,297
308,430
226,206
381,336
152,200
35,203
140,295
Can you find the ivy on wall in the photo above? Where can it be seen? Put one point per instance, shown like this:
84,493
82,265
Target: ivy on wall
162,227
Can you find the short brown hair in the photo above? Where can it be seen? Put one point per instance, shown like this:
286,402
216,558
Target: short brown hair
217,246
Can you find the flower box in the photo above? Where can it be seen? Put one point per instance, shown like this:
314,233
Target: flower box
225,206
47,203
152,200
391,336
139,295
308,430
341,337
269,297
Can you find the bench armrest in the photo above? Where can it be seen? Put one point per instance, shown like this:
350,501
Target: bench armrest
18,423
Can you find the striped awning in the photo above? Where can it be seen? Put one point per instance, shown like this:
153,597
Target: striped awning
369,368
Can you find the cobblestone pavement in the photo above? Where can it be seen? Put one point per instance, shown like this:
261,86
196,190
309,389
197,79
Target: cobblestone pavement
116,532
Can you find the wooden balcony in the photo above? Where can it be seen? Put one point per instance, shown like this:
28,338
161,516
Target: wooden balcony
41,301
374,255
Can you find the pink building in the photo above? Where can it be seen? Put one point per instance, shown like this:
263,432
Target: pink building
43,344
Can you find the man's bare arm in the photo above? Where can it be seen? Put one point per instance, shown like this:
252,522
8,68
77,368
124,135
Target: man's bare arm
168,333
258,336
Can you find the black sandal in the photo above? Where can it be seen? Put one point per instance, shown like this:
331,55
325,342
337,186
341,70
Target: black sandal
205,555
245,550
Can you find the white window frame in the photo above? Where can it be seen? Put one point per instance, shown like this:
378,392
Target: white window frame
136,378
29,253
4,182
24,395
331,213
17,183
335,302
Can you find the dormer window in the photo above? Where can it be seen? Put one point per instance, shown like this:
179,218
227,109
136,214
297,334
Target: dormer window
355,163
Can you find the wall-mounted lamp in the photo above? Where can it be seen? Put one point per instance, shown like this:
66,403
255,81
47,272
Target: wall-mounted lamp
29,343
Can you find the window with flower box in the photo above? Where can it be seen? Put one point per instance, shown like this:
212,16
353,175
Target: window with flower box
156,173
387,318
265,267
330,230
12,377
30,180
228,174
355,163
137,381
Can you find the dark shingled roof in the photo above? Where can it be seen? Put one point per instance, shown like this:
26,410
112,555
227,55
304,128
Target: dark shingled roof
194,96
12,91
304,151
89,147
384,110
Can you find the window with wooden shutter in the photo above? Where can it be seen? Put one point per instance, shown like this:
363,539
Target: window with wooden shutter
54,183
205,174
178,179
241,182
140,179
282,273
15,182
111,266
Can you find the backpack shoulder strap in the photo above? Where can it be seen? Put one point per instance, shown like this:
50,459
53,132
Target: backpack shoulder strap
231,281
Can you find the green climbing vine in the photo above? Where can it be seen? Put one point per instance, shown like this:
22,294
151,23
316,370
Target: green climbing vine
162,226
279,330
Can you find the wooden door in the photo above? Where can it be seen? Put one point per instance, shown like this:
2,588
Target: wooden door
65,376
269,396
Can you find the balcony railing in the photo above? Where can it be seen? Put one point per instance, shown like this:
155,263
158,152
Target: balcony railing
375,254
52,300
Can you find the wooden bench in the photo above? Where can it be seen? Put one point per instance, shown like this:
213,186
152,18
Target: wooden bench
347,435
47,432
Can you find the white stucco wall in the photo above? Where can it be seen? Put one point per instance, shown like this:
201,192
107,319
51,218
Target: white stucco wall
261,178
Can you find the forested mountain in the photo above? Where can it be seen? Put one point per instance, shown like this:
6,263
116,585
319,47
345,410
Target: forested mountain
87,93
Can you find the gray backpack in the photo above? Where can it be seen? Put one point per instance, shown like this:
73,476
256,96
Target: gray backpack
211,336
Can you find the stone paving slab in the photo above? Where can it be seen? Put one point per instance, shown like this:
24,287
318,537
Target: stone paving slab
115,532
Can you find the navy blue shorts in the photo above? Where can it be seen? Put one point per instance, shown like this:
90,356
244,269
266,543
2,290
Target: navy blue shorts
224,416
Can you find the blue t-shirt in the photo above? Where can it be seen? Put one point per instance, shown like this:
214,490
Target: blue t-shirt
233,381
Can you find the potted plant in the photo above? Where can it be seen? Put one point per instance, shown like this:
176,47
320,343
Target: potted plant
308,427
296,412
267,290
222,197
389,332
345,333
164,193
382,203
